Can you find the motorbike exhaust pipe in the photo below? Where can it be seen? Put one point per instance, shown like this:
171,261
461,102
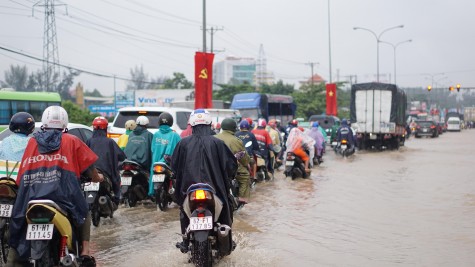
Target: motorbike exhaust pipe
104,205
171,191
69,260
224,239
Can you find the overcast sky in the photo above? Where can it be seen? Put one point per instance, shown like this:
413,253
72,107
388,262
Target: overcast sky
112,36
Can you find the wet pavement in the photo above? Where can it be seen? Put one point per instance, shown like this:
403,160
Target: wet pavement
412,207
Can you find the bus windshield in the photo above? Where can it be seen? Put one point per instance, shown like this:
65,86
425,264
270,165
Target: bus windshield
35,103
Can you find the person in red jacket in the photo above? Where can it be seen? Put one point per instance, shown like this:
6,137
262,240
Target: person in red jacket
265,143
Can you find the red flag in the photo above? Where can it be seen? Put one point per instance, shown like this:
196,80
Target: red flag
203,80
331,99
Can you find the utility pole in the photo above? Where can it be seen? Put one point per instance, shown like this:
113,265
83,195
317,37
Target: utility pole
311,64
212,31
50,44
204,26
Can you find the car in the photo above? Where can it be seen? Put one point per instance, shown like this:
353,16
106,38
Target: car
81,131
453,124
426,128
329,123
180,119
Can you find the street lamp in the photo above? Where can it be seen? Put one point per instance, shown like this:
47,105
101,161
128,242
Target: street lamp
378,40
394,47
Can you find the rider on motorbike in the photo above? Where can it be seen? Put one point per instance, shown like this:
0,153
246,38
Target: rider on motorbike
298,142
123,139
109,154
12,147
275,136
246,136
163,143
316,134
51,167
236,146
203,158
139,144
345,132
265,143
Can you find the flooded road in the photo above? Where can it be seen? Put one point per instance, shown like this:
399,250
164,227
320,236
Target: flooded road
412,207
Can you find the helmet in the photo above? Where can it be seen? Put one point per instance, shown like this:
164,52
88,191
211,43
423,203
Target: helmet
142,120
229,124
200,116
294,122
130,125
261,123
22,122
55,117
344,122
250,121
217,126
301,129
244,124
100,123
165,118
315,124
272,123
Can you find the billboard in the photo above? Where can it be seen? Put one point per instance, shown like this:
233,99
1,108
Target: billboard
160,97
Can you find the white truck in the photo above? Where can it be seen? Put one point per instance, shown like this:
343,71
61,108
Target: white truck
378,113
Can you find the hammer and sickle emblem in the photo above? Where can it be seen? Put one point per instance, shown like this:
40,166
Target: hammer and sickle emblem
203,74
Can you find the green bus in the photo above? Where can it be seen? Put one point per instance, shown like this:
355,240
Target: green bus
34,103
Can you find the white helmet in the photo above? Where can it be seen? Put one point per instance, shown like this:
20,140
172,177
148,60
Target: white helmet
200,116
55,117
142,120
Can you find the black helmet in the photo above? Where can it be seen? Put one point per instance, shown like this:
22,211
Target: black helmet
229,124
22,122
165,119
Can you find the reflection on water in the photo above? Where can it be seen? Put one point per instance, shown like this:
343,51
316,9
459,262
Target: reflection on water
392,208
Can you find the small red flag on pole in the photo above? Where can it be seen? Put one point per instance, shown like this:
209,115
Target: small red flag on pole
331,99
203,80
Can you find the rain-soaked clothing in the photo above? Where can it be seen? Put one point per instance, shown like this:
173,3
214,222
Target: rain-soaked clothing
163,143
138,147
236,146
13,147
203,158
123,139
316,135
50,169
298,141
246,137
109,155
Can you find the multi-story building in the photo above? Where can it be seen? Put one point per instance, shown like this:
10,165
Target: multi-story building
234,70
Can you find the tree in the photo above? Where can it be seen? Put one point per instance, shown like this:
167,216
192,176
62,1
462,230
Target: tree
139,80
178,81
65,84
94,93
16,77
279,88
77,114
228,91
310,100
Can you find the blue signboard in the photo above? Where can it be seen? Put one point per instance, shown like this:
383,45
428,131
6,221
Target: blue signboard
124,99
105,111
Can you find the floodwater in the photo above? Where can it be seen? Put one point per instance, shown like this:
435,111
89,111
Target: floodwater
412,207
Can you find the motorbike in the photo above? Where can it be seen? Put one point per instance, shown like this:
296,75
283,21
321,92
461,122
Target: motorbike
134,182
8,193
209,240
163,185
344,149
294,166
261,173
99,199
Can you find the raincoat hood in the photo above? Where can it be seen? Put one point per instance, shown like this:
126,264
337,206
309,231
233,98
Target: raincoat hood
48,141
164,129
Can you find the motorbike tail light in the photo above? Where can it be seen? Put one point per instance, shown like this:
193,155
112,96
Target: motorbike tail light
200,195
201,215
432,126
113,135
158,168
7,192
128,167
344,142
39,214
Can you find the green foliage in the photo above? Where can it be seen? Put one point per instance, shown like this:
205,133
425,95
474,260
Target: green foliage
279,88
77,114
94,93
178,81
227,92
310,100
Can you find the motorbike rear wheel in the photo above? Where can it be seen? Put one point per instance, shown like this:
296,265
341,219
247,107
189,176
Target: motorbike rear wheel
161,198
96,217
201,254
45,260
4,233
132,200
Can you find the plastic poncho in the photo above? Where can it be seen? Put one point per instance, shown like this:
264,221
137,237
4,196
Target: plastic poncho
298,139
123,139
50,169
203,158
13,147
164,142
316,135
138,147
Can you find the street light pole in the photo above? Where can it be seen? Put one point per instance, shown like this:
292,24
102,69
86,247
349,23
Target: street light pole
204,26
378,40
394,48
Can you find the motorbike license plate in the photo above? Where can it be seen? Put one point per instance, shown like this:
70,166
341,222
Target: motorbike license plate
39,232
201,223
158,178
343,146
424,130
126,180
289,163
334,143
6,210
91,187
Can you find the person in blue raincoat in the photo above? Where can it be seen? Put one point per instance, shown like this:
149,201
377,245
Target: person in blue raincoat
12,147
163,143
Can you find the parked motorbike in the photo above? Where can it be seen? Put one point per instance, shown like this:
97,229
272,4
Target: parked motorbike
163,185
294,166
344,149
99,197
8,193
134,182
209,240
